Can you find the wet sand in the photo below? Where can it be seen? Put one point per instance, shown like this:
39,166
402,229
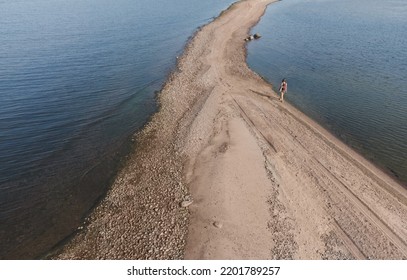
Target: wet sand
225,170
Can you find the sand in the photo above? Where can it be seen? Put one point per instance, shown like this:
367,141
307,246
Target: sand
225,170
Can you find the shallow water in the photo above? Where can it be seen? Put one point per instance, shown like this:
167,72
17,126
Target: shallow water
346,66
77,79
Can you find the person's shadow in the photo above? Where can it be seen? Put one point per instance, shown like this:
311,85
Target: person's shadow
263,94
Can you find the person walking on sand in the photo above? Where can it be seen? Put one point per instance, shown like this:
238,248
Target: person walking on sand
283,89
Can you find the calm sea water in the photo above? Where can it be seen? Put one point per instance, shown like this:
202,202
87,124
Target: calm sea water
77,79
346,66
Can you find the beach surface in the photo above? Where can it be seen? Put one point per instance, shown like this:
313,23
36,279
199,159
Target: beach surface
224,170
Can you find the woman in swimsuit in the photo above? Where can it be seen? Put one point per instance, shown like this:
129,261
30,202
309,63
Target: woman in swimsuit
283,89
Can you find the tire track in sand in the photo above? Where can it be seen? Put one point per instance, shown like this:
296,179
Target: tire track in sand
381,236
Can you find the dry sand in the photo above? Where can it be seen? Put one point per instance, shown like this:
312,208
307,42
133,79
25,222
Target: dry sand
265,181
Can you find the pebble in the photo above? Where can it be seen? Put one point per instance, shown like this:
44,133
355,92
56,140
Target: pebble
186,203
218,224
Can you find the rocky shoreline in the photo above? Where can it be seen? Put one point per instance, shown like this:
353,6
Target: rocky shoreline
141,216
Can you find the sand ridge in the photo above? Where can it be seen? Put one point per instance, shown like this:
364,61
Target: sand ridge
266,181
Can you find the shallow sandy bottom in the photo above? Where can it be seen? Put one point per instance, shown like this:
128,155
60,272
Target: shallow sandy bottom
265,181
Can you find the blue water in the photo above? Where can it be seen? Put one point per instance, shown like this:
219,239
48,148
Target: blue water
77,79
346,66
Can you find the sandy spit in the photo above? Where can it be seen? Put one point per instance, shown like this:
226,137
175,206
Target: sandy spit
226,171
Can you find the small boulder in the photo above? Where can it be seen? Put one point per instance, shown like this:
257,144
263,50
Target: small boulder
186,203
